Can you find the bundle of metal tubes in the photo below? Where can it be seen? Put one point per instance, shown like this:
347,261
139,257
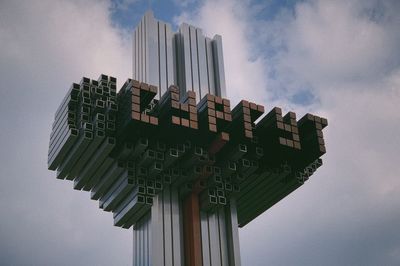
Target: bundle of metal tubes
126,148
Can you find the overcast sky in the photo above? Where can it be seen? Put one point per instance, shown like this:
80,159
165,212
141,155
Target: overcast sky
338,59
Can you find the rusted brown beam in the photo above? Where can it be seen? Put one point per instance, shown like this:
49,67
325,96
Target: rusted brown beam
192,231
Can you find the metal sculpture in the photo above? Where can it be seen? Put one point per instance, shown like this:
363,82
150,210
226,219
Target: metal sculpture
184,171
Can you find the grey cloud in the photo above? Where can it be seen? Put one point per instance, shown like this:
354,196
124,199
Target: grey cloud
347,214
345,53
44,47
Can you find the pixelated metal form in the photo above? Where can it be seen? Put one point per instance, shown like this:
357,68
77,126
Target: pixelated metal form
168,156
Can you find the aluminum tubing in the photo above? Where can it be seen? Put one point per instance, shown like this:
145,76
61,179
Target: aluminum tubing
125,151
223,236
140,146
260,198
58,144
131,195
99,172
118,195
254,181
69,141
66,98
171,157
133,206
247,200
54,144
136,216
261,209
65,108
68,114
167,223
215,251
60,124
74,154
107,179
232,233
177,228
89,169
205,242
157,231
89,153
264,185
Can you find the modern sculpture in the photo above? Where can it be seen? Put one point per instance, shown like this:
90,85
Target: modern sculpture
169,156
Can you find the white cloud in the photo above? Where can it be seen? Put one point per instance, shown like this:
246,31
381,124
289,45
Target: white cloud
44,47
346,54
243,76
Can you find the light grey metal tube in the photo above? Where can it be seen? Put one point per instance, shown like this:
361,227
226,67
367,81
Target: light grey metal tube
108,178
277,195
98,138
263,196
194,61
232,233
185,48
99,172
162,58
215,251
134,217
69,141
170,56
74,154
202,63
87,172
152,52
60,136
57,143
66,99
210,67
205,243
157,245
248,196
177,228
219,66
61,121
118,195
145,238
134,244
222,236
168,256
133,206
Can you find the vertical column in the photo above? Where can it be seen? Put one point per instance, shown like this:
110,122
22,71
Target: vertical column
186,58
162,58
177,233
170,55
210,66
205,241
140,54
157,245
194,60
219,66
201,55
168,257
152,50
148,19
134,247
134,54
232,233
215,251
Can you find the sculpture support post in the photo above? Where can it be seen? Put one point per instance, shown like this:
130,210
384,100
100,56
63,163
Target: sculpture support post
191,223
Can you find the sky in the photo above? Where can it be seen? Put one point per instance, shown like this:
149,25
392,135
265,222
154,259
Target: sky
338,59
